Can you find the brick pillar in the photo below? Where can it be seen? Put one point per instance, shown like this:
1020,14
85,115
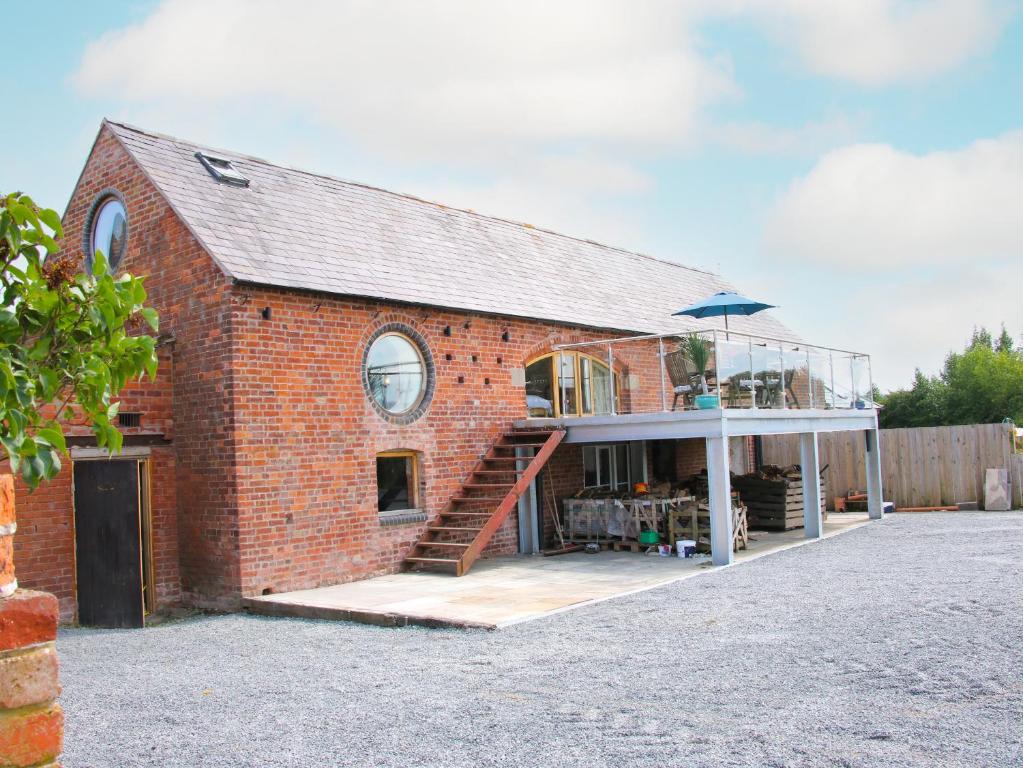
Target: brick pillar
31,721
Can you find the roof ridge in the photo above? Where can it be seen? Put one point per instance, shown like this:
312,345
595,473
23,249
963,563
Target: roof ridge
409,196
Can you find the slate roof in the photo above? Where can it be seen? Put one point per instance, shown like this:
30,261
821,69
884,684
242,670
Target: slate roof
295,229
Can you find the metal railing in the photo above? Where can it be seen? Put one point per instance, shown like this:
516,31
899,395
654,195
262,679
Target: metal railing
663,373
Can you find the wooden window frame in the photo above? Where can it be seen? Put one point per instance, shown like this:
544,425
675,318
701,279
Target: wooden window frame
577,371
415,501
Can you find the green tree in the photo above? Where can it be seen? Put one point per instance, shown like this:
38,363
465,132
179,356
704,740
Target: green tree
69,342
1005,341
980,385
985,385
922,405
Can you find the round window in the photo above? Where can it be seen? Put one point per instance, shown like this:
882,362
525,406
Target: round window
396,373
109,231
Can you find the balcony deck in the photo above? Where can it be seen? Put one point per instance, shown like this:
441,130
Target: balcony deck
713,422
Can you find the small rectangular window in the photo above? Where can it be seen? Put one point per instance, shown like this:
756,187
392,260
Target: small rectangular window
396,482
129,419
222,169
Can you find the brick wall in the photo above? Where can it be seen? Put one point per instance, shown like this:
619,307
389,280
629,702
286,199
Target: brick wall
308,434
31,720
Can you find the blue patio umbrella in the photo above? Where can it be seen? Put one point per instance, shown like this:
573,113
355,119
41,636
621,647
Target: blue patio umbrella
724,303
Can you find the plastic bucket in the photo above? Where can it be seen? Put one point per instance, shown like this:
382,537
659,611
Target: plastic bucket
685,547
649,537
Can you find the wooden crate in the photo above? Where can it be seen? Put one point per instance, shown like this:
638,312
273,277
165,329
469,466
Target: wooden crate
775,505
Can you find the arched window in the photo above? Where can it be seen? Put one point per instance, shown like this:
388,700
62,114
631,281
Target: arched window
569,383
106,228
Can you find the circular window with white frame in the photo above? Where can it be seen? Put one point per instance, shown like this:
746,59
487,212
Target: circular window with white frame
398,373
106,228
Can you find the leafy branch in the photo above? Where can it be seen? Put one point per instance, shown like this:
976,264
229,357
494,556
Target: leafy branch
66,338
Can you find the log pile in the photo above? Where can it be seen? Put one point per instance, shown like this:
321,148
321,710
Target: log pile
774,497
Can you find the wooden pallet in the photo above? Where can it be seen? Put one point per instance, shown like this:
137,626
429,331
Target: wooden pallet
631,546
774,504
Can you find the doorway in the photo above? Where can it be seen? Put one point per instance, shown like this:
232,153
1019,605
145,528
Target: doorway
113,556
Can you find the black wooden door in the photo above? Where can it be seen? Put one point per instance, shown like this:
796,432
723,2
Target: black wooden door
108,543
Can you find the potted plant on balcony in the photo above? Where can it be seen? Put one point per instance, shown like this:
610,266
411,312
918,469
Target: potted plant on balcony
697,349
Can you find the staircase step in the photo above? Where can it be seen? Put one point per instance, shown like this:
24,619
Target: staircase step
434,560
529,433
453,529
453,544
470,499
508,458
456,513
509,471
488,485
518,445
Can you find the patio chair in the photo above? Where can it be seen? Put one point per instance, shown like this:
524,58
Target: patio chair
683,381
789,375
770,395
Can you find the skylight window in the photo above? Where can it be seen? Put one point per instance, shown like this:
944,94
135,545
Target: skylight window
222,170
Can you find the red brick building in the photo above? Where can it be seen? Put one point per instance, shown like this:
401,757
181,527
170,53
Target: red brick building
334,360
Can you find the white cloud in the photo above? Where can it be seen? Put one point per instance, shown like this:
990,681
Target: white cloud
901,255
436,78
878,42
870,205
481,84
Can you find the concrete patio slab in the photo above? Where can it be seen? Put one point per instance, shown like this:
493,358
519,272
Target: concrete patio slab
507,590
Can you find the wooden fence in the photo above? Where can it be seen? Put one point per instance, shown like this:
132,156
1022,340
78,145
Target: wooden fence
920,467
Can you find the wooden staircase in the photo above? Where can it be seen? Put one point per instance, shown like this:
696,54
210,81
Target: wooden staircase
486,498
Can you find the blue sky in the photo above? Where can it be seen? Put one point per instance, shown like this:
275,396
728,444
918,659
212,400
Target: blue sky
857,162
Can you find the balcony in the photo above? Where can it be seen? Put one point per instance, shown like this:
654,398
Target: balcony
699,384
716,386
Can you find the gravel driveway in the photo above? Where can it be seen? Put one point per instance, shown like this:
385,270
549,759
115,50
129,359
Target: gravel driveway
896,644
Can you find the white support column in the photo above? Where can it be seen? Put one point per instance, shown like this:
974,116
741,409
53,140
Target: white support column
875,503
720,492
809,460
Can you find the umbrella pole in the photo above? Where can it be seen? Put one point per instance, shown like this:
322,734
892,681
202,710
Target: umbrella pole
726,324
